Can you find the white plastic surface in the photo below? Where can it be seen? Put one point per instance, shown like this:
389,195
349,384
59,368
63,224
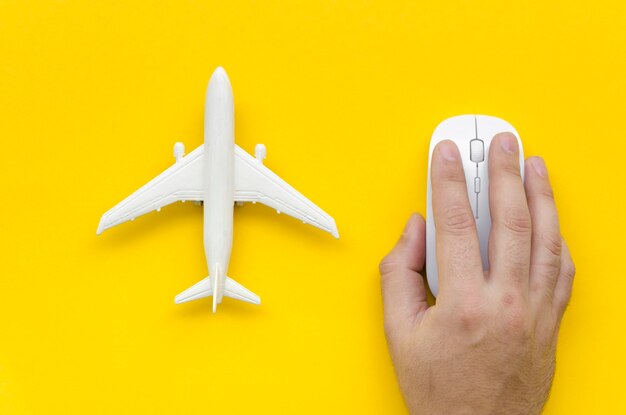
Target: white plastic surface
471,134
256,183
218,173
204,288
180,182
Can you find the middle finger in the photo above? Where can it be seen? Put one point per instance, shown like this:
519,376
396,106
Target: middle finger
510,237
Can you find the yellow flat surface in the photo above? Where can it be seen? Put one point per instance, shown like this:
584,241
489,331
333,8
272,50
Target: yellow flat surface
345,95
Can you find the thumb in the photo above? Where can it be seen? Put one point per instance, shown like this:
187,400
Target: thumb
404,294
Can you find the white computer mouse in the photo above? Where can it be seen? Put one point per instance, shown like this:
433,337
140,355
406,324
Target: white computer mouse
472,135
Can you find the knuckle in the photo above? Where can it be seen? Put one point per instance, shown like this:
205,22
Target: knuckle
517,261
451,174
517,273
548,267
509,299
471,316
387,265
568,270
518,328
552,243
516,253
517,220
542,289
470,319
547,193
562,301
514,312
546,273
458,220
390,264
512,169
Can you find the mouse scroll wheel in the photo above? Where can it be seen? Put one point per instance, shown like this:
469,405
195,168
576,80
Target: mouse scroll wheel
477,150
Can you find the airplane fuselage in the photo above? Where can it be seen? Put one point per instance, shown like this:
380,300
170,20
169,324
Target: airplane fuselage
219,142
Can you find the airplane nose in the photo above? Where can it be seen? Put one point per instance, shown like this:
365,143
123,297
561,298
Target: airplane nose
219,82
219,88
219,74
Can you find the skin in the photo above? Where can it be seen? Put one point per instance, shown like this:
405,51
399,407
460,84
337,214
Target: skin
488,344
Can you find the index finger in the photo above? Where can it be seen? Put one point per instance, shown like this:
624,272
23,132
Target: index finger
459,264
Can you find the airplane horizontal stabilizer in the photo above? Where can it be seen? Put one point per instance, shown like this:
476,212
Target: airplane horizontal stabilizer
205,288
202,289
237,291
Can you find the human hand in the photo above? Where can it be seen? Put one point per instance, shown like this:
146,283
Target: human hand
488,344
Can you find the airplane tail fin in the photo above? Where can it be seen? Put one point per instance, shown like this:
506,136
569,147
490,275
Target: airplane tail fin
209,286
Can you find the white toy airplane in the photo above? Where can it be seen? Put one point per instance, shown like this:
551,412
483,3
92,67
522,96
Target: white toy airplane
218,173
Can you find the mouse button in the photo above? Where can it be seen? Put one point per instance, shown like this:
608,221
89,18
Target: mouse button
455,128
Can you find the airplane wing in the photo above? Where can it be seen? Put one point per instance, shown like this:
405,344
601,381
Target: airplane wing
182,181
256,183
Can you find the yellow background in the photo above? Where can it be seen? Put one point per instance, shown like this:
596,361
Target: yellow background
345,95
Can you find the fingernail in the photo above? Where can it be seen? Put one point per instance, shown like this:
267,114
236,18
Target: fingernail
540,166
448,150
508,143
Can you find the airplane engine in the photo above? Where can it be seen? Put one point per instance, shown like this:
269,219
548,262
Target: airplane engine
179,151
260,152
